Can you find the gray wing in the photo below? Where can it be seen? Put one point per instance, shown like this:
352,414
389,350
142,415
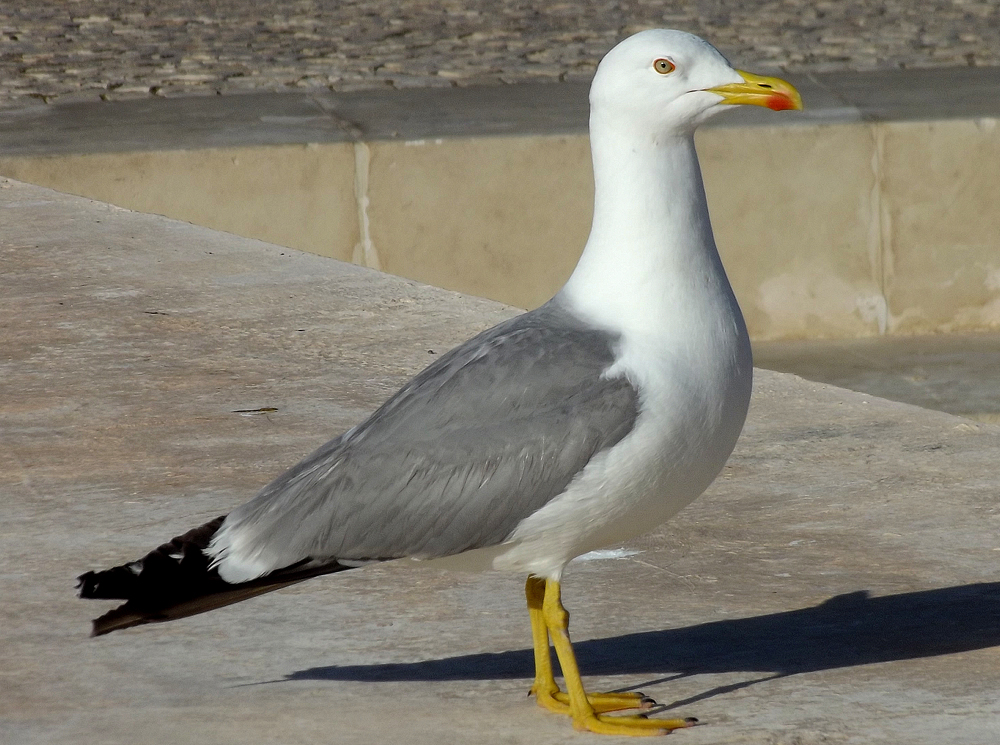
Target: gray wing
458,457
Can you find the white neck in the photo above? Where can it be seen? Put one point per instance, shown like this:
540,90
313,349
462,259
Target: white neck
651,251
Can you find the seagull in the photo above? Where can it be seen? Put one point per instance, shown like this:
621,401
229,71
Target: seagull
578,425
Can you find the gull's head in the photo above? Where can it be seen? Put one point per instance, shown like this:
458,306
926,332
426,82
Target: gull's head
664,82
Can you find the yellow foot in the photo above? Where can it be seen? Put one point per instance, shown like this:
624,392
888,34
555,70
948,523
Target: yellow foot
550,622
558,701
634,726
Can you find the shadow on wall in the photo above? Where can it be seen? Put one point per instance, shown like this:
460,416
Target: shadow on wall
846,630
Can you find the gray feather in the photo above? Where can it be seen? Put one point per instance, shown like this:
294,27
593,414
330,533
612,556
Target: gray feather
471,446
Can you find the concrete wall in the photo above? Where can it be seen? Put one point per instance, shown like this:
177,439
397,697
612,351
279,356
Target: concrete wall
827,230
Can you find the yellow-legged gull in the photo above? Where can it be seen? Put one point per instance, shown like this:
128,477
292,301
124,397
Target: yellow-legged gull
583,423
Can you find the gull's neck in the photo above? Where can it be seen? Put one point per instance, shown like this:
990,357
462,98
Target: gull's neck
651,255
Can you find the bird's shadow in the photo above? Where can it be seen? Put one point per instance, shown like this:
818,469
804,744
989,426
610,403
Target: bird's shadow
846,630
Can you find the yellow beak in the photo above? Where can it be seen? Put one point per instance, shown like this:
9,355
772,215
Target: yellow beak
757,90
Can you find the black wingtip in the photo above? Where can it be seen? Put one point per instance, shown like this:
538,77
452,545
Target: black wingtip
177,580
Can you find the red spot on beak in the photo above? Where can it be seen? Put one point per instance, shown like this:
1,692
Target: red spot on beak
780,102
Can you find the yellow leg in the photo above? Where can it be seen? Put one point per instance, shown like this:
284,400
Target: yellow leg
545,688
583,712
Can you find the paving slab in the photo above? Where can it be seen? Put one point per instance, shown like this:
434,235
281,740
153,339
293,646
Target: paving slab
837,584
957,373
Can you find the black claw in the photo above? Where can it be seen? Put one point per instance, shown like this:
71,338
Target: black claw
691,720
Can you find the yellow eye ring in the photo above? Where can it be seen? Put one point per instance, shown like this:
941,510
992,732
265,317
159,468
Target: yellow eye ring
664,66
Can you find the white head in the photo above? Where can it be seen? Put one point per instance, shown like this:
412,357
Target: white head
668,82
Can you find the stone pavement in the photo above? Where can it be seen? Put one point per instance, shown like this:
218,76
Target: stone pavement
51,50
957,373
838,583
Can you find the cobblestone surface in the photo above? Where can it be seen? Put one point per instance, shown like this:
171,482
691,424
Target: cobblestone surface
63,50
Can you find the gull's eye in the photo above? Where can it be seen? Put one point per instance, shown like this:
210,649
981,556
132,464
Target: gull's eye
664,66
